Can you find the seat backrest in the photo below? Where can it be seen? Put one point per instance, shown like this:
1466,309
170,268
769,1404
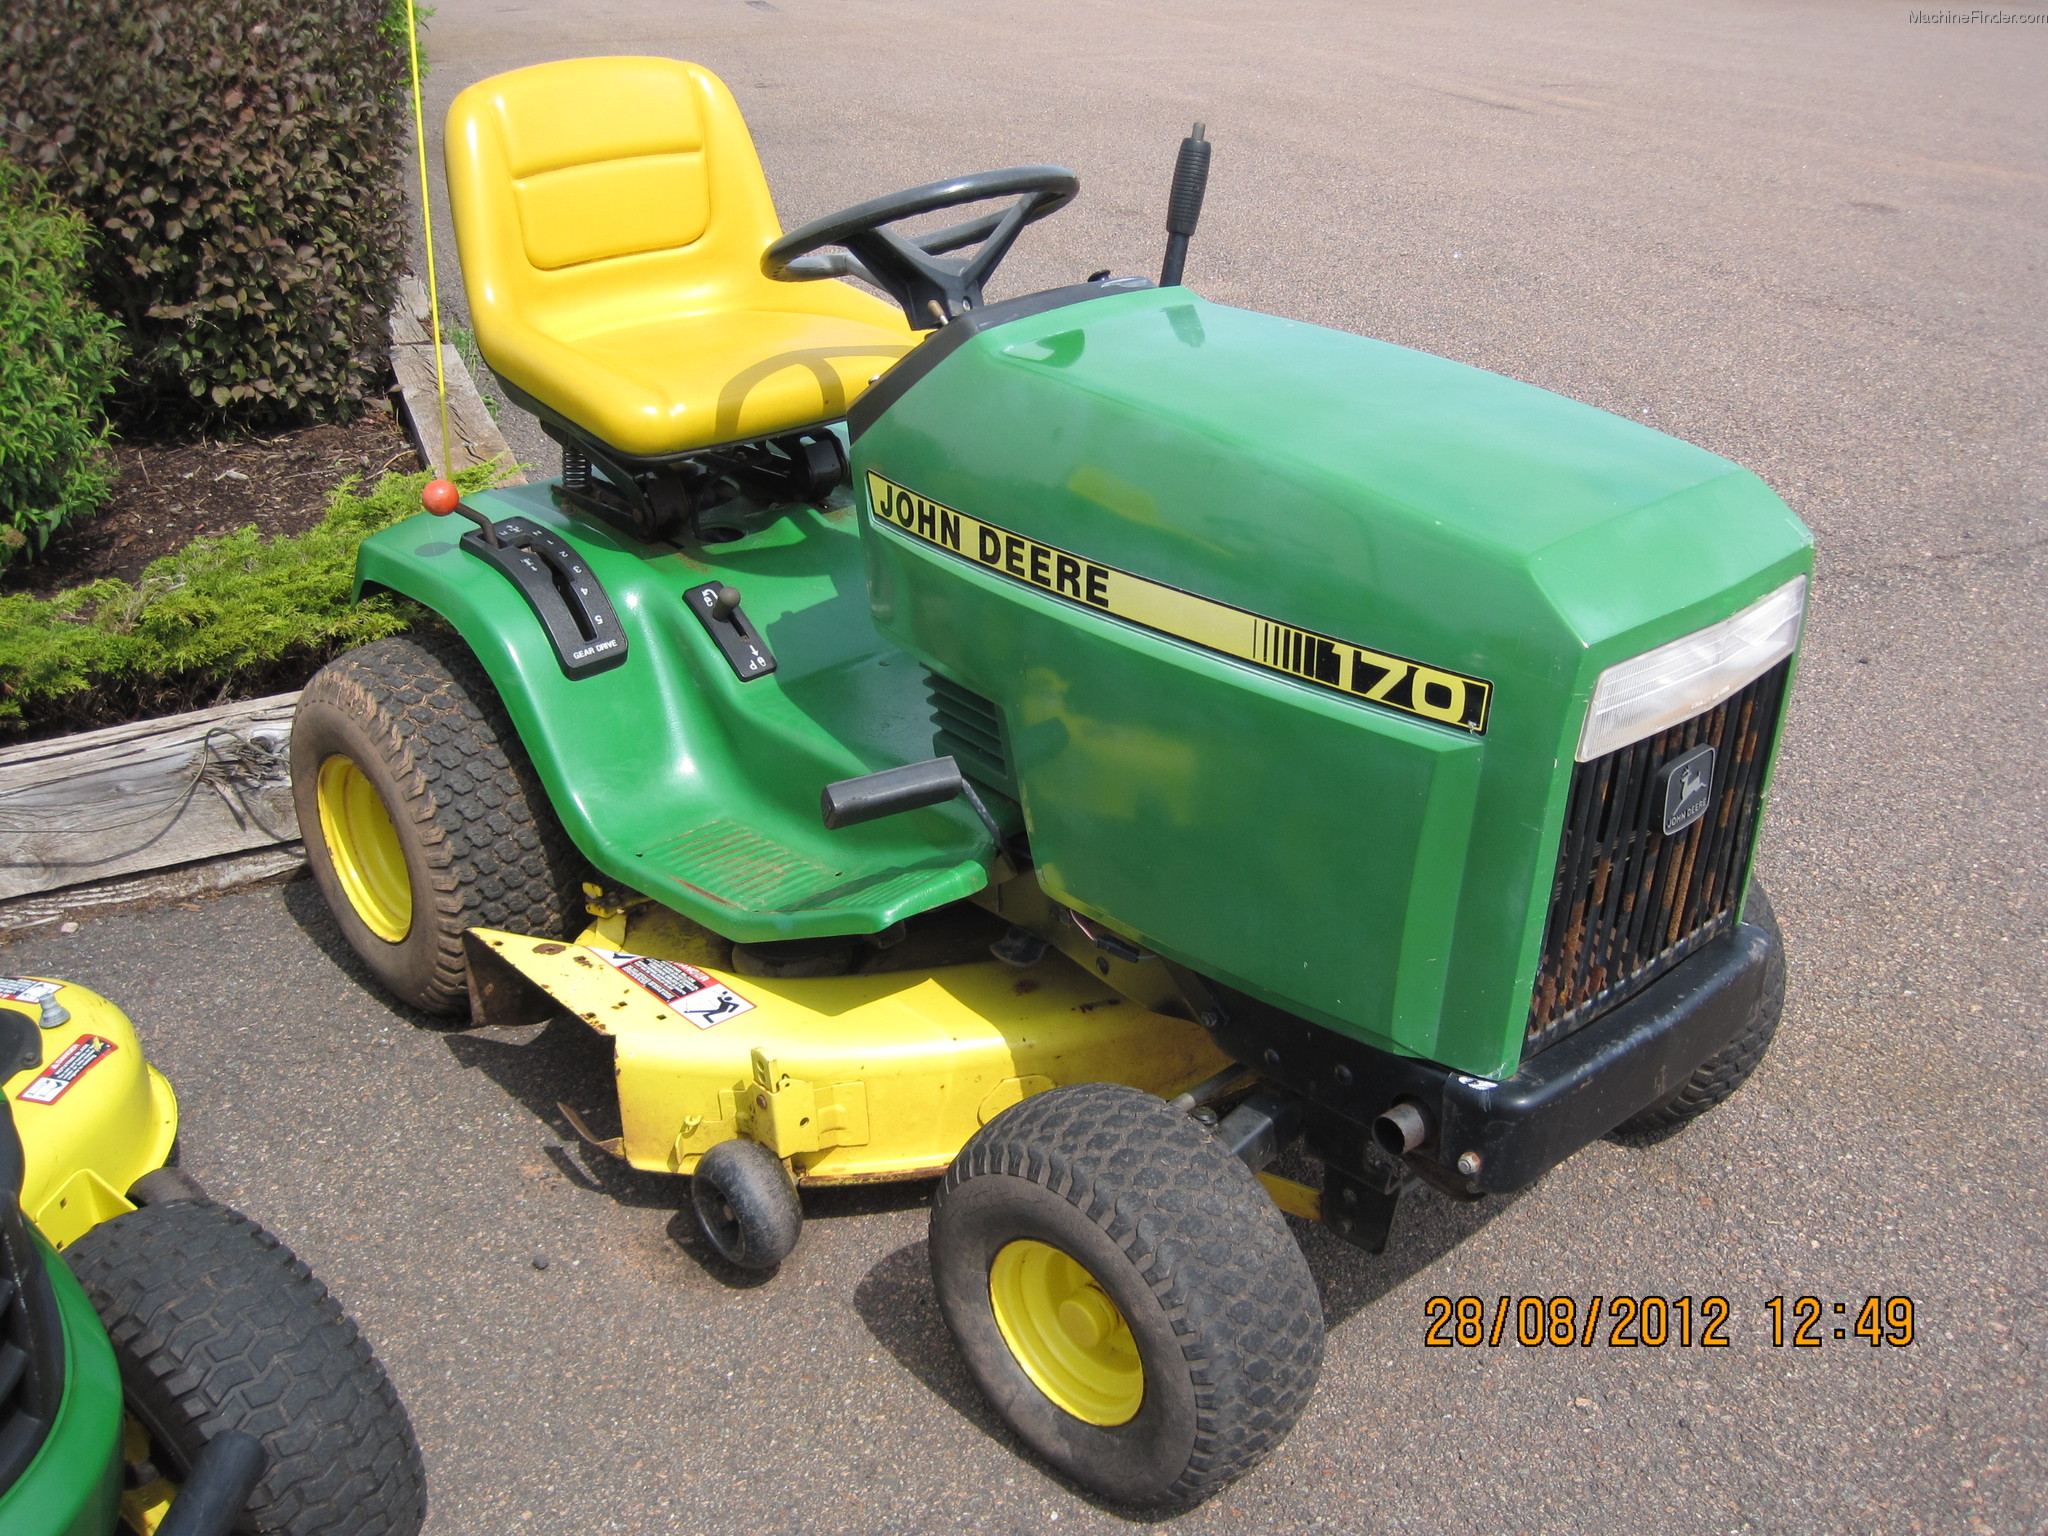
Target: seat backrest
592,192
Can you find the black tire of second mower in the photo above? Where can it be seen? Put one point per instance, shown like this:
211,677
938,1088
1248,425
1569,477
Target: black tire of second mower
1717,1078
483,847
217,1325
1177,1232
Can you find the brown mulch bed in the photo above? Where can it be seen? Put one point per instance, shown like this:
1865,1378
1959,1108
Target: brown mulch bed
170,493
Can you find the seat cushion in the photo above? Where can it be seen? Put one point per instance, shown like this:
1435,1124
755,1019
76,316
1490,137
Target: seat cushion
693,381
590,183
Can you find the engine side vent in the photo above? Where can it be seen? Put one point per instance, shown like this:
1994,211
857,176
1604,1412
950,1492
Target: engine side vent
969,729
1629,902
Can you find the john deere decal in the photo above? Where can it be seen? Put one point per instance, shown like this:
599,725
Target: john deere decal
1429,693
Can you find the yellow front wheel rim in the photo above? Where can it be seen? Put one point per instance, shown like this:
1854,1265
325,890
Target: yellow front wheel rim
363,846
1069,1337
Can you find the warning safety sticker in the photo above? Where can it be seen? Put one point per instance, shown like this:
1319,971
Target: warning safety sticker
698,996
1429,693
56,1079
24,989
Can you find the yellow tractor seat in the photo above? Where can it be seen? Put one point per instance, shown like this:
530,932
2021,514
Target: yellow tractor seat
610,214
660,386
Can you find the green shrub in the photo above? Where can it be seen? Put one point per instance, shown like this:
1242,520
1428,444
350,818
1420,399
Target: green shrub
225,618
242,161
58,357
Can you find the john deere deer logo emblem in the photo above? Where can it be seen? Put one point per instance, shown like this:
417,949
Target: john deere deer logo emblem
1688,789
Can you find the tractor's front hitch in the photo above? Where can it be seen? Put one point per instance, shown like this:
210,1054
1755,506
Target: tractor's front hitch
1377,1120
1358,1195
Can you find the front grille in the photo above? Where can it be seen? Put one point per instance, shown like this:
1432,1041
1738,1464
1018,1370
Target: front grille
970,731
31,1345
1629,902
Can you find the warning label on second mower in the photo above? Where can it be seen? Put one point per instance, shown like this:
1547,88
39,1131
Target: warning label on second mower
697,995
56,1079
26,989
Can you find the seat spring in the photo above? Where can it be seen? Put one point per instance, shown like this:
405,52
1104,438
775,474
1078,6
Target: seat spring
576,470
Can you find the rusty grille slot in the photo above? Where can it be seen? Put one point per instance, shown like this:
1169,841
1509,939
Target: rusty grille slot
1628,903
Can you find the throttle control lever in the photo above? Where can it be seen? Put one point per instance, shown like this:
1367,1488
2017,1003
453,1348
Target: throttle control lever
717,607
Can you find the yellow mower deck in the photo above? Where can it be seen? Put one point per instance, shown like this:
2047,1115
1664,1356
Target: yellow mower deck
851,1079
93,1115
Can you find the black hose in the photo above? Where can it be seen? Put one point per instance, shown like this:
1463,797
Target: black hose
213,1497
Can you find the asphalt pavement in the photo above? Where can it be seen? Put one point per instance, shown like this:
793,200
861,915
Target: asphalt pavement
1807,236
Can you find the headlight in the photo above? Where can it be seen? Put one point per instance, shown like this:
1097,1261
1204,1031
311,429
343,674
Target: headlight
1641,696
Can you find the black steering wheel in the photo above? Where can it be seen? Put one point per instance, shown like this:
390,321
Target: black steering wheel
914,271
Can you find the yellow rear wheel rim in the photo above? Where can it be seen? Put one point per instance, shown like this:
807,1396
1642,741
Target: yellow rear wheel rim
1066,1333
363,846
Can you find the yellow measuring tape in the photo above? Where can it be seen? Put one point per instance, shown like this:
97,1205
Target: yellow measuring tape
419,136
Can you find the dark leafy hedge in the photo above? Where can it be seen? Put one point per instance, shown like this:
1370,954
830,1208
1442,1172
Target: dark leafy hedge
58,356
242,162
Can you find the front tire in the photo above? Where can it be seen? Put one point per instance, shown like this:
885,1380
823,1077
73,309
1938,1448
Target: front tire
1125,1293
217,1326
1717,1078
422,816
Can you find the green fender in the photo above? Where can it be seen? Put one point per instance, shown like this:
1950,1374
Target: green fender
675,778
73,1486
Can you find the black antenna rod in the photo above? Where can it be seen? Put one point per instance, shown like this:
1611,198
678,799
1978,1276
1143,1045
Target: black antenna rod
1184,204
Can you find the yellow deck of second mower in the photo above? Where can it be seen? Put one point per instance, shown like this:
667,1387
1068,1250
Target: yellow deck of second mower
94,1116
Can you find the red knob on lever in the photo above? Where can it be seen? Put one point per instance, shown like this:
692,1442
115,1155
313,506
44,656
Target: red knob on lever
442,497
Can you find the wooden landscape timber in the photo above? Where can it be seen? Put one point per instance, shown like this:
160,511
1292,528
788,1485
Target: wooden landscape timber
473,437
183,882
83,818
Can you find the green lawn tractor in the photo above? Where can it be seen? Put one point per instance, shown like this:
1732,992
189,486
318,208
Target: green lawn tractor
1081,746
174,1371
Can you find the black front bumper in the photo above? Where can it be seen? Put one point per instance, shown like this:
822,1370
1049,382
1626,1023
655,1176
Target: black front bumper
1589,1082
1508,1134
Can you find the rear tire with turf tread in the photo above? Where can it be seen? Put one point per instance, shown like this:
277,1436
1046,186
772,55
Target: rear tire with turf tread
217,1326
1717,1078
1221,1306
482,845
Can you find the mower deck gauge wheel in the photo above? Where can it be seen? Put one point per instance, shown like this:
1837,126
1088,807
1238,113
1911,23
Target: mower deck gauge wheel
746,1206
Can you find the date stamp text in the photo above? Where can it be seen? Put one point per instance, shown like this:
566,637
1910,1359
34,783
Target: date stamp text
1657,1322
